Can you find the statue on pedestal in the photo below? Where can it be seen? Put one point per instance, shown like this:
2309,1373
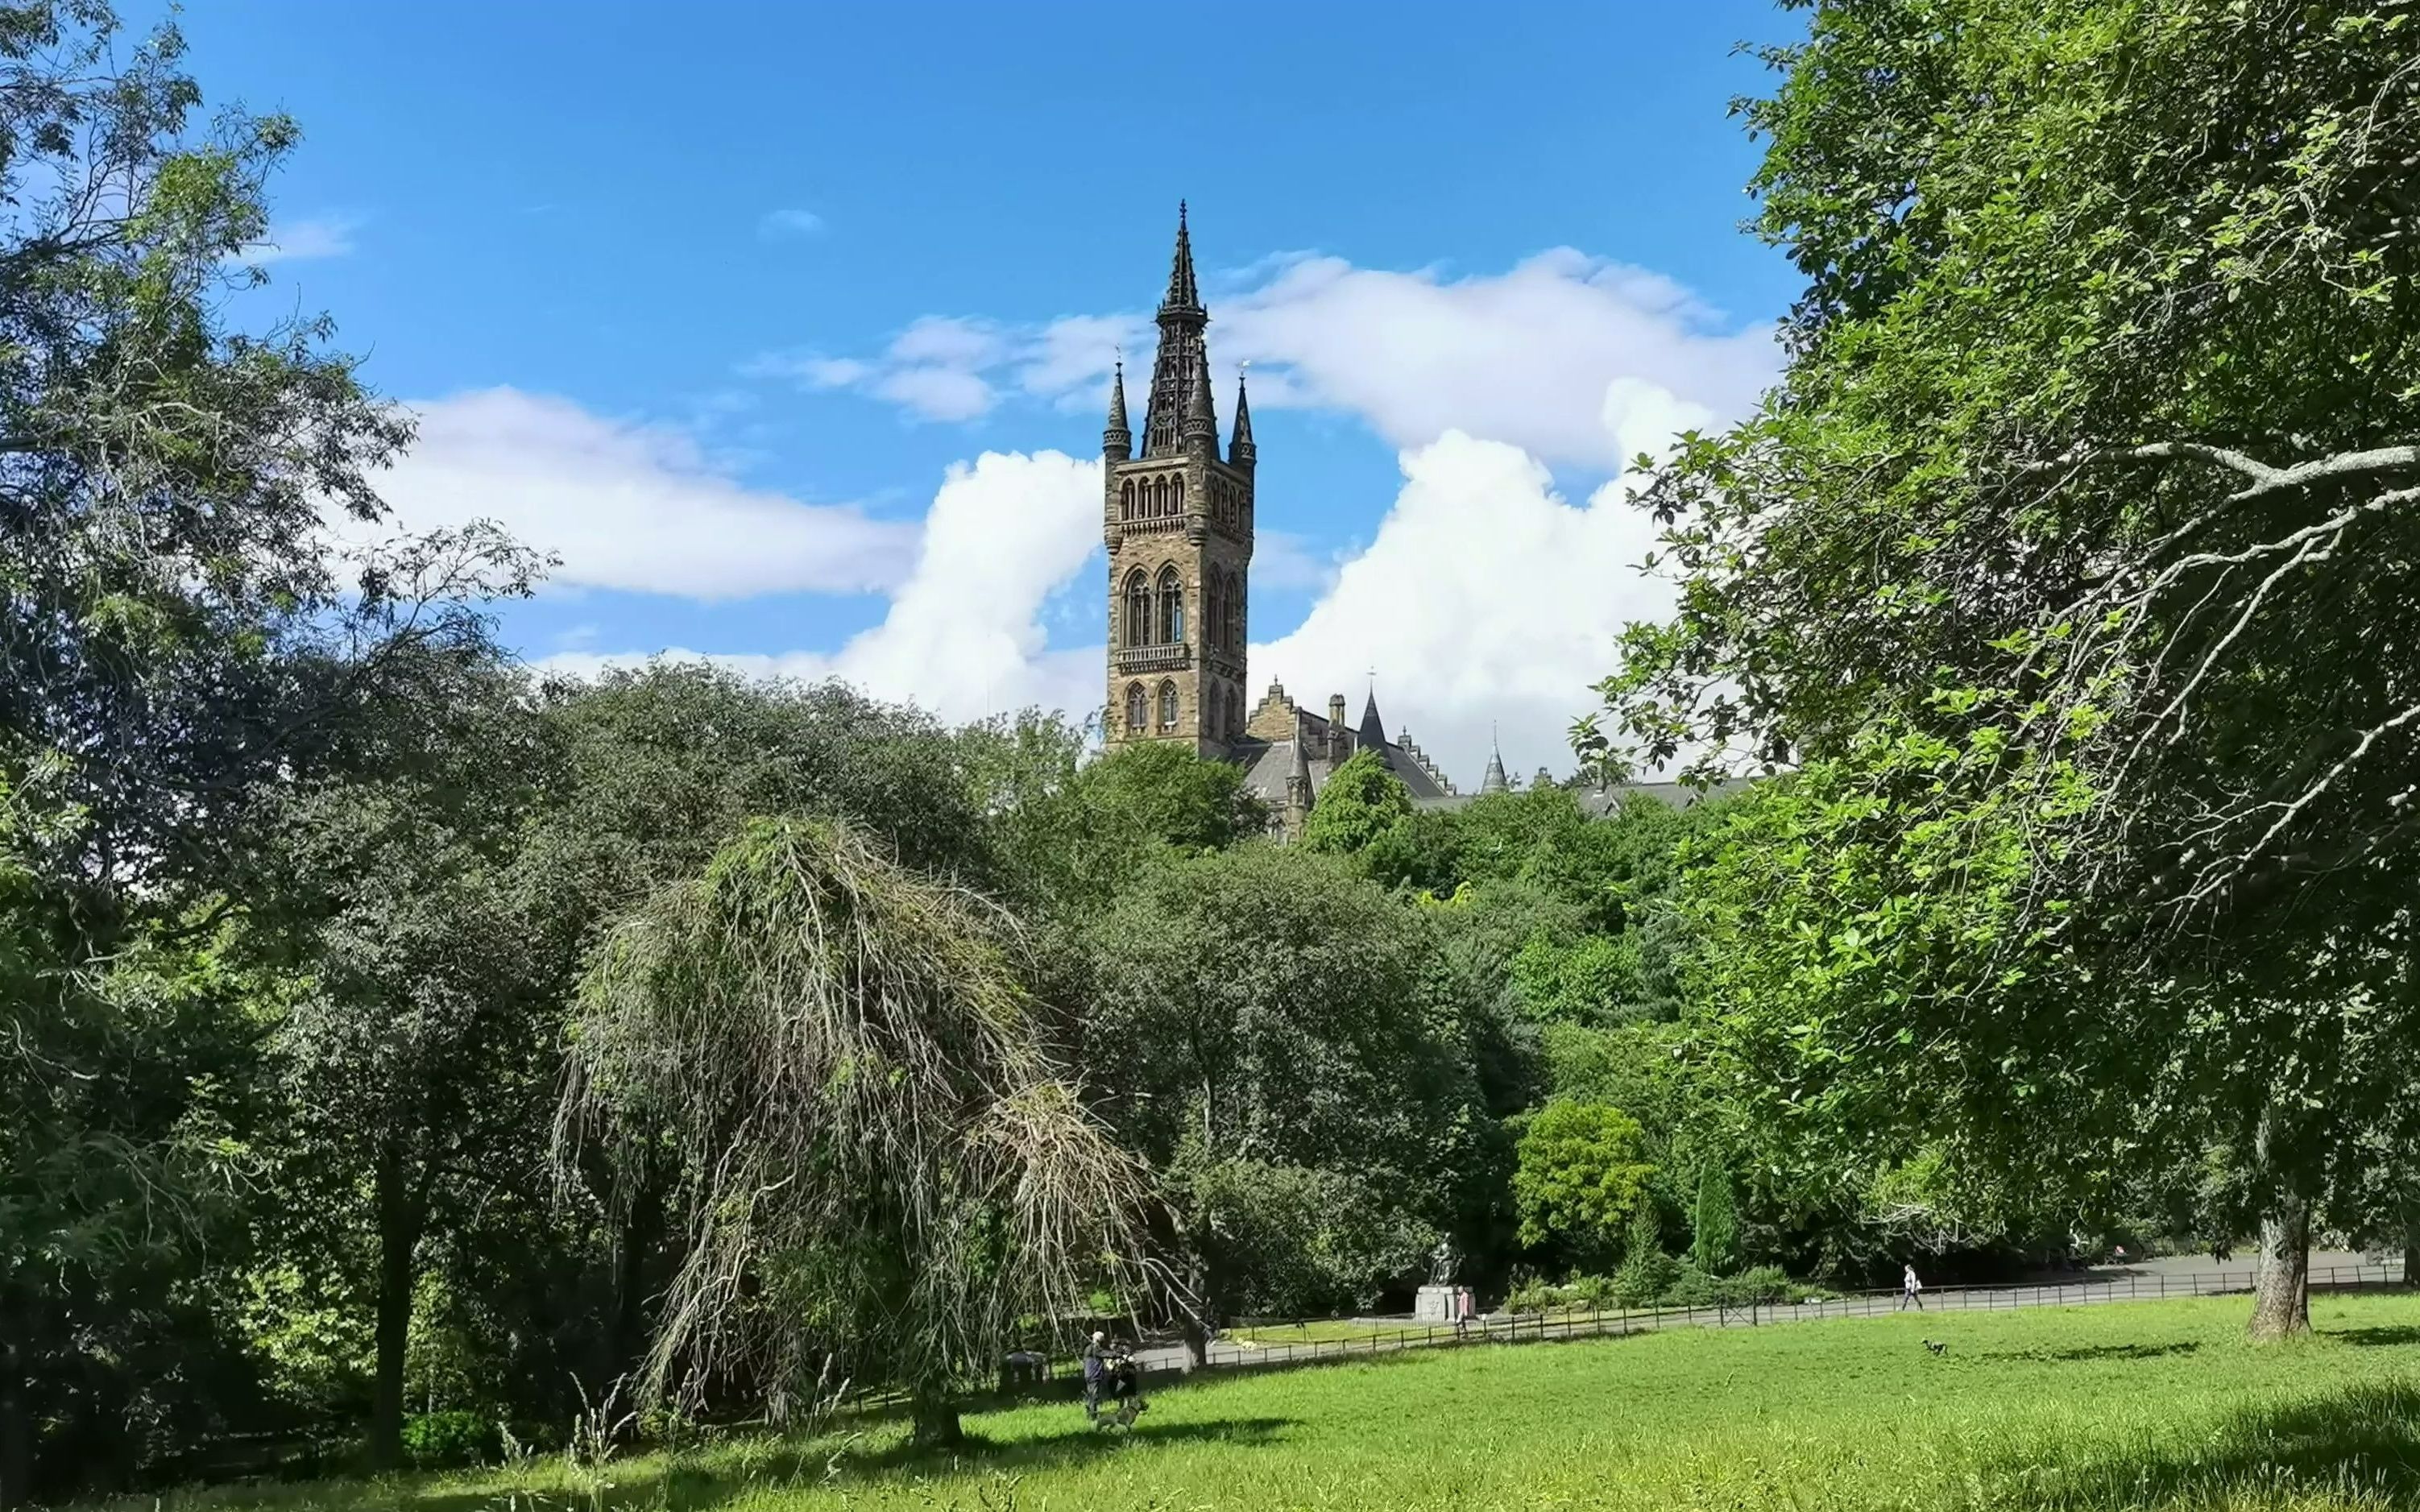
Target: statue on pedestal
1441,1263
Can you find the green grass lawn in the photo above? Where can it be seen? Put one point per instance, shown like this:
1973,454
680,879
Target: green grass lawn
2151,1405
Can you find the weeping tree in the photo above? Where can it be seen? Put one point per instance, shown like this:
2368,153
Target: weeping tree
884,1178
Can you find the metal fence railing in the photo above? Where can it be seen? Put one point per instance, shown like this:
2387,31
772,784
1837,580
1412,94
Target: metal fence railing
1256,1347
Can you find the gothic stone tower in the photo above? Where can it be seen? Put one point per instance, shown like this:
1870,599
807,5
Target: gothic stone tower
1178,522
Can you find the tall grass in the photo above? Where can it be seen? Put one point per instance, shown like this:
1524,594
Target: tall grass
2151,1406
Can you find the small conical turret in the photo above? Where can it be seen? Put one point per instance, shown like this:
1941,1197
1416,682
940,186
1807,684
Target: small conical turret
1495,780
1117,437
1200,420
1372,733
1241,451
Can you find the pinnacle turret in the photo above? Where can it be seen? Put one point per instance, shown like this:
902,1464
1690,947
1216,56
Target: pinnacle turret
1200,420
1117,439
1241,451
1495,781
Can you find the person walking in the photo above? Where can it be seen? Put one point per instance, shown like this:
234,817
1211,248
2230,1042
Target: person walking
1097,1364
1910,1290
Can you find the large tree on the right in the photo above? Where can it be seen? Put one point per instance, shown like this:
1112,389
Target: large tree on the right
2073,567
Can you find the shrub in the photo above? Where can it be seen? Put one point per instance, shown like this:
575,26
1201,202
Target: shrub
1533,1296
1647,1273
1761,1286
444,1441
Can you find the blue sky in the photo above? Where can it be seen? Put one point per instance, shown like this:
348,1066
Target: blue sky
713,301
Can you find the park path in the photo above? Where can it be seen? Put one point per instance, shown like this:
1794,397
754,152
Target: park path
2141,1281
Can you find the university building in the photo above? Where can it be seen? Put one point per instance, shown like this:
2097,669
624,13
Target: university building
1177,515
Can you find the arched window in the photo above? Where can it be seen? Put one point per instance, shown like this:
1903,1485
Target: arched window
1179,496
1168,705
1138,709
1159,497
1214,608
1126,500
1240,599
1171,607
1137,629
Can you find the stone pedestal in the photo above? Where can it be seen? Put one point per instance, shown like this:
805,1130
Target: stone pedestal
1435,1305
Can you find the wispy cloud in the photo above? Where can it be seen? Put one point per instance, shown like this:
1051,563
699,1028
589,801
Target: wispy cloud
790,223
318,235
1575,359
934,369
634,507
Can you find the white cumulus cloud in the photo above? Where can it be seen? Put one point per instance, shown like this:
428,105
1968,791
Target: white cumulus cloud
1485,600
1573,359
964,637
629,506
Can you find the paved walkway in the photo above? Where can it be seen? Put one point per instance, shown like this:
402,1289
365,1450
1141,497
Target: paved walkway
2141,1281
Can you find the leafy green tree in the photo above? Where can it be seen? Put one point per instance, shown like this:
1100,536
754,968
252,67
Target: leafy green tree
1360,801
1295,1240
421,1057
177,642
1647,1273
2064,559
1069,832
1713,1222
882,1172
1594,981
1580,1176
1267,1005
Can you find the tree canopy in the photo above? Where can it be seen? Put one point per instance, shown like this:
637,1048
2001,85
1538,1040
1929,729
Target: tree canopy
2064,560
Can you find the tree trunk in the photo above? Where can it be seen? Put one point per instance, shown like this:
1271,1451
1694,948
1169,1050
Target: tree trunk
640,1227
2281,1295
2411,1241
935,1419
399,1229
16,1430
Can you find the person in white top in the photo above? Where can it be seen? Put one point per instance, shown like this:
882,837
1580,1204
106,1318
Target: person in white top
1910,1290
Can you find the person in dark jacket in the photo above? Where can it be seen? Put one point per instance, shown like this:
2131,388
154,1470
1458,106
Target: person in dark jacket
1097,1369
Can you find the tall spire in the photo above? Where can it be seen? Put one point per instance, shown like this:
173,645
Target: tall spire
1182,360
1241,451
1495,780
1183,293
1117,440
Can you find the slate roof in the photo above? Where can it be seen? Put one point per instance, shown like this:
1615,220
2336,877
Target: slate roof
1269,759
